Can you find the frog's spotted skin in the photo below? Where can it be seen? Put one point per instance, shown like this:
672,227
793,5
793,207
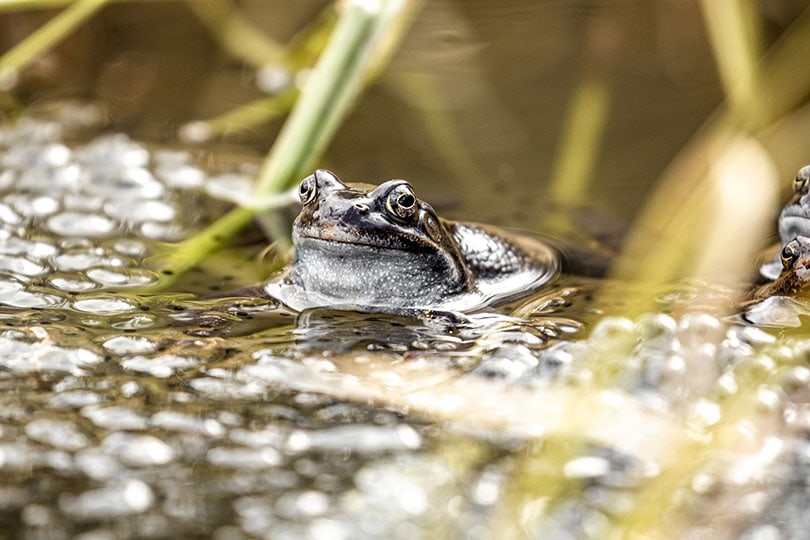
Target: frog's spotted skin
381,247
793,221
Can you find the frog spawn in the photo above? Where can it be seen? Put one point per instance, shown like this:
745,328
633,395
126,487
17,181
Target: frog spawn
132,435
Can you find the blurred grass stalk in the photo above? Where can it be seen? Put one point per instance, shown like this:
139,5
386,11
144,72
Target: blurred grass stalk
367,33
44,38
709,212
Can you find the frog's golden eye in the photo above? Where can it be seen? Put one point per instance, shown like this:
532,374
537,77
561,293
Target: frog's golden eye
401,202
790,254
307,190
802,179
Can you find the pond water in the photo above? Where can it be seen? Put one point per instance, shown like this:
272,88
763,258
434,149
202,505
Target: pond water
186,413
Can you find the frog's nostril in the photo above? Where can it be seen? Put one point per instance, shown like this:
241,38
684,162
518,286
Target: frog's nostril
361,207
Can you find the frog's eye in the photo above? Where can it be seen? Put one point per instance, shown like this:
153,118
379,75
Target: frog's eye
790,254
802,179
307,190
401,202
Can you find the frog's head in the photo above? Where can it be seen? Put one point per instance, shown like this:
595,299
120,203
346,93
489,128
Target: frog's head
795,258
372,243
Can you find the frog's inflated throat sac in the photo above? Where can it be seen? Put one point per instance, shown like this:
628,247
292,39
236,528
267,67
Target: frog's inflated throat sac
381,247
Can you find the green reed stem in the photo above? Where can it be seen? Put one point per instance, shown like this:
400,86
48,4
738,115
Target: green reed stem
44,38
361,44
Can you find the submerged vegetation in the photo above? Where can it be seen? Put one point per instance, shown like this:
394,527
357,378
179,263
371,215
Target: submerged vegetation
689,407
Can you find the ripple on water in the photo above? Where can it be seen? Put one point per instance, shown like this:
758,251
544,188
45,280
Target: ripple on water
118,498
80,224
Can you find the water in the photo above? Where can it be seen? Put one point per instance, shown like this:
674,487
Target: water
125,415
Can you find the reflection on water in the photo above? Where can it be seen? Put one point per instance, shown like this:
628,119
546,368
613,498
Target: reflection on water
127,416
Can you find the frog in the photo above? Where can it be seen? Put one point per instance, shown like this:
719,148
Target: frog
383,248
795,270
794,221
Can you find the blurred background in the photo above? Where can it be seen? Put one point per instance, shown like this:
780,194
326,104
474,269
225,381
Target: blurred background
473,106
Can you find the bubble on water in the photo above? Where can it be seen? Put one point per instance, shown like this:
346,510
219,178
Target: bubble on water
249,458
302,505
122,345
507,362
363,439
181,176
81,225
176,421
27,156
22,266
131,247
72,285
131,388
128,278
166,232
75,399
50,179
63,435
31,205
269,436
116,417
103,305
39,515
126,184
74,261
161,366
97,465
116,151
140,211
83,203
14,245
221,389
7,215
119,498
612,332
138,450
24,357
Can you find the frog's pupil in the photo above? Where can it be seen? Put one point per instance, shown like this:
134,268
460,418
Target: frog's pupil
406,200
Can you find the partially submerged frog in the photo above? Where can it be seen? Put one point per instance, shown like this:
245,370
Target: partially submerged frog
381,247
794,220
